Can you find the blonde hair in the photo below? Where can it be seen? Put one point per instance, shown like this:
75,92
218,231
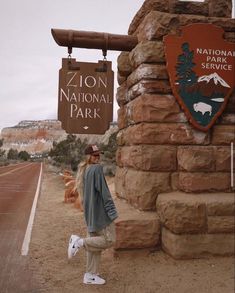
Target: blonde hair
80,175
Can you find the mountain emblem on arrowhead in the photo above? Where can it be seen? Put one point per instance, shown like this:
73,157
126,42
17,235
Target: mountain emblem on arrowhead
211,86
201,79
216,79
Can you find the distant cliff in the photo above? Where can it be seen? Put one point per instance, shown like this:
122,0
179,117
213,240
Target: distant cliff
38,136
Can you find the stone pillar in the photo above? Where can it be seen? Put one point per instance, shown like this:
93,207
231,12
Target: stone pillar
155,140
159,152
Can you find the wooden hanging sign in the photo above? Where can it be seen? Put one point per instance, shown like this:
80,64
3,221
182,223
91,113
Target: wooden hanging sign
201,67
85,100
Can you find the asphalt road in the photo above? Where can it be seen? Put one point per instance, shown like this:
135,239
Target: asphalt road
18,184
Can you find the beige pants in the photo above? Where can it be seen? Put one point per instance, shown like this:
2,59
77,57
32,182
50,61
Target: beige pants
95,244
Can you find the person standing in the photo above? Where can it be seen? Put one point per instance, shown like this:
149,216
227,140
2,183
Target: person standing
99,212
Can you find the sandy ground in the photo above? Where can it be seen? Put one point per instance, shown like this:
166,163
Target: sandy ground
138,272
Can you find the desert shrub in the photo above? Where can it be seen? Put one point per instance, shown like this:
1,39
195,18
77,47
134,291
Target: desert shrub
12,154
2,152
68,152
110,149
23,155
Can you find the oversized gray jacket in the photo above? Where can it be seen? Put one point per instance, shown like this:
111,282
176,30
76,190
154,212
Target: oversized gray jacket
99,208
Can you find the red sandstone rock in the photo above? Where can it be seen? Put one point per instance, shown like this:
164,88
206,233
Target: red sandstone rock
150,108
223,158
140,188
149,87
223,134
218,204
124,66
120,182
136,229
162,133
147,158
147,71
183,7
158,24
121,95
181,213
121,79
229,36
122,122
197,245
227,119
230,107
154,108
196,158
221,224
175,181
201,182
147,52
33,136
137,234
227,24
220,8
149,5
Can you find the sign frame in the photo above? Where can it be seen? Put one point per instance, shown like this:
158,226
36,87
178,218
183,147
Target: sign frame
85,96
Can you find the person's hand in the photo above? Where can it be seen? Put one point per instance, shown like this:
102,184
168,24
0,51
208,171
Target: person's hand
74,190
116,221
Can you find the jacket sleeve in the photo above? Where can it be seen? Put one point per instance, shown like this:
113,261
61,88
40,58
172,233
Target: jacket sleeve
102,187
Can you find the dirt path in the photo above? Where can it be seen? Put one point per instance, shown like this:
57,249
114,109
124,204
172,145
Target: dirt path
138,272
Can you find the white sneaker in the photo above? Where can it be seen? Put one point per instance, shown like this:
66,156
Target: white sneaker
93,279
73,246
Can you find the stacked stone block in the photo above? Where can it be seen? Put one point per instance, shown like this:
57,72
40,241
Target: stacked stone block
159,152
195,225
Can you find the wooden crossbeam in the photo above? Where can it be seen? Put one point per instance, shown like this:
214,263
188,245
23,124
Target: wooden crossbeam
93,40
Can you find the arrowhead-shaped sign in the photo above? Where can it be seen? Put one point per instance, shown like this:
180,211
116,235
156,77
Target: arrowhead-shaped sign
201,67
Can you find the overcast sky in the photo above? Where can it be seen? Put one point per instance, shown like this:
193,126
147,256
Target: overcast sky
30,59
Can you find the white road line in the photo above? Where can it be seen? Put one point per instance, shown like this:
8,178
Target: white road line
27,237
11,165
13,170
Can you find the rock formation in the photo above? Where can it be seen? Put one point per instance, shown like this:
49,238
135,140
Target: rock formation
37,137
